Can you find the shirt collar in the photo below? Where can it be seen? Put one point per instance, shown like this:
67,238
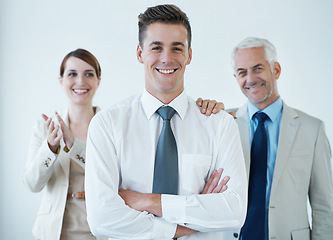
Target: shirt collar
151,104
272,110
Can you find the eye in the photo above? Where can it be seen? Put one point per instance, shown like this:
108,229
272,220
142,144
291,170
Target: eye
242,73
72,74
90,74
157,48
177,49
258,69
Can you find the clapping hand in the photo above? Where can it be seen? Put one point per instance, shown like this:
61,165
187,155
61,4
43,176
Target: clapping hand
53,136
67,133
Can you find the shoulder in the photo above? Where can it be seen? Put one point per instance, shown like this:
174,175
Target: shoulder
220,119
300,115
119,109
231,110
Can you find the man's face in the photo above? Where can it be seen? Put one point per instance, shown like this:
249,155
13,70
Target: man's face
165,54
255,77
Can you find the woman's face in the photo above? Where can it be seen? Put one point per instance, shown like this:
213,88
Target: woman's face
79,81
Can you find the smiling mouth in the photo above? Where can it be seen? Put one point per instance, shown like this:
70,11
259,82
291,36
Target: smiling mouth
166,71
80,91
258,85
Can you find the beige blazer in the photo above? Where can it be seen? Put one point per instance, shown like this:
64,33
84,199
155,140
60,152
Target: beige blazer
302,169
50,172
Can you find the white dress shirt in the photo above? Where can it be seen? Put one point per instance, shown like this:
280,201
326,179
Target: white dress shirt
121,147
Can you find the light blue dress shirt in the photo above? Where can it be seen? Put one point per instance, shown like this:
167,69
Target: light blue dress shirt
272,126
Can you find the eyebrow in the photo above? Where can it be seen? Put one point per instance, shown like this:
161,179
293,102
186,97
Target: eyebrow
73,70
173,43
240,69
155,43
178,43
257,65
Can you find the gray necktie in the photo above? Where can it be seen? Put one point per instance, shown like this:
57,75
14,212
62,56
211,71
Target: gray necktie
166,158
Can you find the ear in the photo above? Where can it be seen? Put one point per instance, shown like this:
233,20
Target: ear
60,80
189,56
139,53
98,81
276,70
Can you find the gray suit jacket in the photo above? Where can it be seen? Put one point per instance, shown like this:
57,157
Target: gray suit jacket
302,169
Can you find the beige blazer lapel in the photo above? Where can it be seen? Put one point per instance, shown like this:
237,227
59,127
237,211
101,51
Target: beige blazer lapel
288,130
63,158
243,126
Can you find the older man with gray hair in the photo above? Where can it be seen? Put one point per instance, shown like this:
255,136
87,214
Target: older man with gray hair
287,154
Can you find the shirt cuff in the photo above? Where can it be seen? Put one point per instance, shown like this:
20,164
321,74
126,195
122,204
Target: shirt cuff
173,208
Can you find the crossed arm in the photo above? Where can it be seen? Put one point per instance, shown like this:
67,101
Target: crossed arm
151,202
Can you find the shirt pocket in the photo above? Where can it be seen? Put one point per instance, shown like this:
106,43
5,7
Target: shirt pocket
195,169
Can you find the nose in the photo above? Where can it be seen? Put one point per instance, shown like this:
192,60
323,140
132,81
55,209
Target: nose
250,77
166,56
80,79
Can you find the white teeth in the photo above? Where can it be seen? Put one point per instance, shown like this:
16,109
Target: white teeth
254,86
166,71
80,91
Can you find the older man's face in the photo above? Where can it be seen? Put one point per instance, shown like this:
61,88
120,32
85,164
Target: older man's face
255,77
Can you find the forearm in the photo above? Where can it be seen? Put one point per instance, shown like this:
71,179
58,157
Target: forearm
108,214
183,231
199,212
150,202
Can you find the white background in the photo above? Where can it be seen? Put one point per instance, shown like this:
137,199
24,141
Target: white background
37,34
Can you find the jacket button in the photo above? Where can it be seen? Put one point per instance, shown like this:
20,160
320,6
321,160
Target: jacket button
236,235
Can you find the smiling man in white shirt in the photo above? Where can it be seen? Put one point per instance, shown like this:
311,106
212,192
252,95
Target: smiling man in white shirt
122,142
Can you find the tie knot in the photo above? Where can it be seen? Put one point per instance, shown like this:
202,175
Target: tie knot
166,112
261,116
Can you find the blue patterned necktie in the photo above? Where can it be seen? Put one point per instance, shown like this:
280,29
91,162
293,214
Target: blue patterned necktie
254,227
166,158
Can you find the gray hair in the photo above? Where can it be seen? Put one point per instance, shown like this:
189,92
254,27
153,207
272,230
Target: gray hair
252,42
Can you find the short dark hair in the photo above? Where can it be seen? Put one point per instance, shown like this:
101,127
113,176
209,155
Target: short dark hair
167,13
84,55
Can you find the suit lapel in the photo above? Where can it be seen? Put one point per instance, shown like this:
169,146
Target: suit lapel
288,131
243,125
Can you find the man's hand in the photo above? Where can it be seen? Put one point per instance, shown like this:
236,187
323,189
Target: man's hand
209,106
212,185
